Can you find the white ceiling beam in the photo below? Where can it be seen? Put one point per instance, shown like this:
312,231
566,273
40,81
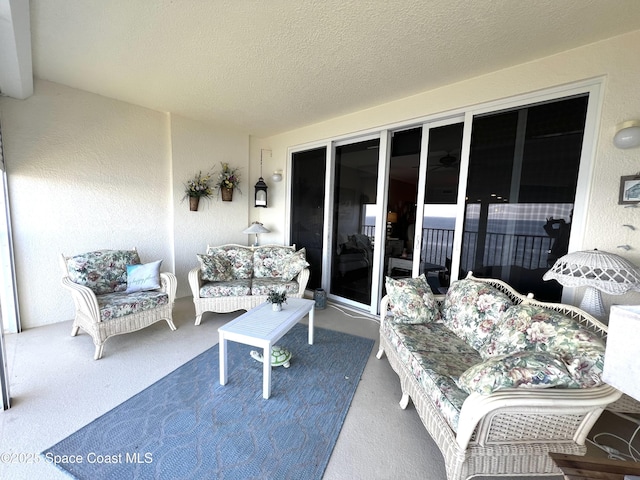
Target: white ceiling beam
16,69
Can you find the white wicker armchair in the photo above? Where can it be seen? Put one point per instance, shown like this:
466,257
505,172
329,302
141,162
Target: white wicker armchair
97,283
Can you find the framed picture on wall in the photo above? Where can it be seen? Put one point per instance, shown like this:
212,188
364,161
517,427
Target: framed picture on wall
629,189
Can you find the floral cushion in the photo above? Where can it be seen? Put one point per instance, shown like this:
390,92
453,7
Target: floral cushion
262,286
113,305
411,300
232,288
436,358
269,261
103,271
241,259
520,369
215,268
295,264
472,309
536,329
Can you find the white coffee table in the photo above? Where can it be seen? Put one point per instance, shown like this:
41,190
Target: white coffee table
261,327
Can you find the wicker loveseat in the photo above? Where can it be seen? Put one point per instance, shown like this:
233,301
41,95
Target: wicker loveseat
479,367
114,293
236,277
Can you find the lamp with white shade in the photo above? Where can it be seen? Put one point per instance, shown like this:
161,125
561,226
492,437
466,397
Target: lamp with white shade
256,228
597,270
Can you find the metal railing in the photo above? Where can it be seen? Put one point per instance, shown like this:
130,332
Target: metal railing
500,249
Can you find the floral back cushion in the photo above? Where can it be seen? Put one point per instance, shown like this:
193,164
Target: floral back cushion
411,300
103,271
240,258
536,329
472,309
215,268
520,369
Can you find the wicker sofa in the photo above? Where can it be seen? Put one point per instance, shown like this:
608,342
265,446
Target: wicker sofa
236,277
472,397
114,293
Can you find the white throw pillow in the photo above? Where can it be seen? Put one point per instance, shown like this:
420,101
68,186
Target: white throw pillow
143,277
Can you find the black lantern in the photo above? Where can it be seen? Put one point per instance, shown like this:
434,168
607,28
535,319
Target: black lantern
261,193
261,188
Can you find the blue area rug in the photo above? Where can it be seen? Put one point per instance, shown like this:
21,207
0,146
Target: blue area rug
188,426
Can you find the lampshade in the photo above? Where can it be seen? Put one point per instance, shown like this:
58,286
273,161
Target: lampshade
597,270
627,134
392,217
256,227
277,176
621,362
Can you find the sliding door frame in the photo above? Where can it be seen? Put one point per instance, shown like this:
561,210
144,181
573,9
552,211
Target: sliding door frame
592,87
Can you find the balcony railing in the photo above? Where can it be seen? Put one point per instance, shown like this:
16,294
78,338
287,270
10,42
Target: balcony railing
500,249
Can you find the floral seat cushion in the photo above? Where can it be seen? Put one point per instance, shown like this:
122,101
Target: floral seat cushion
103,271
436,357
262,286
472,309
231,288
114,305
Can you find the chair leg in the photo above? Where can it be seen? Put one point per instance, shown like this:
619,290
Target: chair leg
380,353
198,319
404,401
172,325
98,353
75,330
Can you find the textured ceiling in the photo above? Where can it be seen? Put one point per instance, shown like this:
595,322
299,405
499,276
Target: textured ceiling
266,67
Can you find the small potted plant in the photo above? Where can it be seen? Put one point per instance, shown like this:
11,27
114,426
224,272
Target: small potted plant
277,298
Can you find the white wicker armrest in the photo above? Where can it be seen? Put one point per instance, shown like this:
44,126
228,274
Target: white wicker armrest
303,279
482,410
195,281
84,298
169,285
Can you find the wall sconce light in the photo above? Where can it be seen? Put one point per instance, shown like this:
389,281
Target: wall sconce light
261,187
627,134
277,176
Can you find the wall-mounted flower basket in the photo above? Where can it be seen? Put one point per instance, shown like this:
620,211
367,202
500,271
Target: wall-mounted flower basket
194,202
227,194
227,181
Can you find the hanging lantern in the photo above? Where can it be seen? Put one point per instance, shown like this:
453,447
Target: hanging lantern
261,193
261,188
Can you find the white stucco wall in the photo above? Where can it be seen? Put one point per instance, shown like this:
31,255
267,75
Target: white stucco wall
197,147
86,172
617,59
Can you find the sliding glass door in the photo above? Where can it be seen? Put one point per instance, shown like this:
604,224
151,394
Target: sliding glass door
491,192
521,188
353,220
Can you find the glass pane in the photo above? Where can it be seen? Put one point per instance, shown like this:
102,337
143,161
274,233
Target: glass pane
355,191
521,189
307,208
401,203
441,194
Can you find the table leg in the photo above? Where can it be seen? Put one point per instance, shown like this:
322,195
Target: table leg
266,380
223,359
311,326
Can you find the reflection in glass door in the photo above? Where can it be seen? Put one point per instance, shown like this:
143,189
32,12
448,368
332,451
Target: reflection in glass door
356,174
521,188
440,198
307,208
